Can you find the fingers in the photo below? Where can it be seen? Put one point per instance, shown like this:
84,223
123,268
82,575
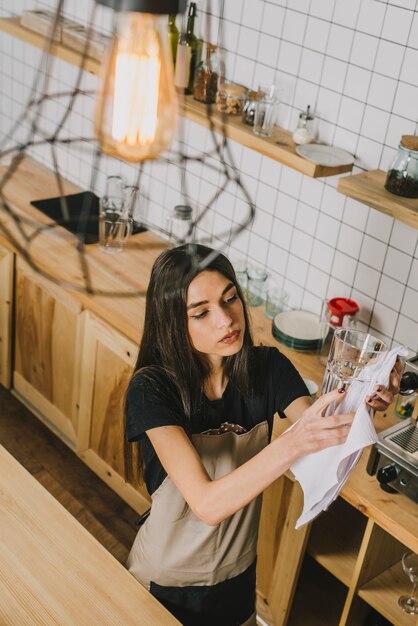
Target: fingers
323,402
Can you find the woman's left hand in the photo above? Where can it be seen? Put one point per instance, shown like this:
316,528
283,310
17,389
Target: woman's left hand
384,396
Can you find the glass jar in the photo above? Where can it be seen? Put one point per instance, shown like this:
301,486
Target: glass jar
336,313
180,224
305,131
402,176
407,396
249,108
206,77
230,98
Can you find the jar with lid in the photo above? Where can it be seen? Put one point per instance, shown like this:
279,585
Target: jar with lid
402,176
305,131
180,224
206,77
230,98
407,396
249,108
336,313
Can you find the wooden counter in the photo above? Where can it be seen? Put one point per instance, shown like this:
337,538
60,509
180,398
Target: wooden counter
52,571
101,353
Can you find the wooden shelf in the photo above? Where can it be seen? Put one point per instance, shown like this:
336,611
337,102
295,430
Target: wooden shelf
335,540
279,147
382,594
319,598
368,188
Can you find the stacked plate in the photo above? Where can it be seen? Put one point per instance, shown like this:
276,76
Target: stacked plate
299,330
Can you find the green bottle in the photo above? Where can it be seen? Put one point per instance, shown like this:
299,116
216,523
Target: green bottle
191,41
173,35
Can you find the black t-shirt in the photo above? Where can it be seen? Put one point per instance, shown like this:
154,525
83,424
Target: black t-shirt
147,409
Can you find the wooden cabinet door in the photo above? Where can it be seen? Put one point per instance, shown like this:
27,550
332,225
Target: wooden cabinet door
48,328
107,363
6,300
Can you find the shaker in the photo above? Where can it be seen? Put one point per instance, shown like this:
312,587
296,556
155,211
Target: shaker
180,224
305,132
336,313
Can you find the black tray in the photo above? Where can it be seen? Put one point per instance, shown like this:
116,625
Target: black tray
84,204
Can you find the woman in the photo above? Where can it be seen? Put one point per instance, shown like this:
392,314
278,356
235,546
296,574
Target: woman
201,404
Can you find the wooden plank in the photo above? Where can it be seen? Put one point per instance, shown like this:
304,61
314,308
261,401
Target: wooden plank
44,409
279,147
52,571
128,493
368,187
289,555
12,26
382,593
395,513
335,540
6,303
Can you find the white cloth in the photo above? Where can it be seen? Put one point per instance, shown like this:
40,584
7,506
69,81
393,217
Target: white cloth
323,474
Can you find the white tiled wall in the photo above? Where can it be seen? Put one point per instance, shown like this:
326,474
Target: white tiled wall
355,62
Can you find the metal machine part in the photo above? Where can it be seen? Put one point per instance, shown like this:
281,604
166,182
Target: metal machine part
394,459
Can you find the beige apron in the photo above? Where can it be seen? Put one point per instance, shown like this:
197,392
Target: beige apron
175,548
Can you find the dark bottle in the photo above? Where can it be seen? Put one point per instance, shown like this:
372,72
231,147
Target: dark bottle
173,35
206,77
187,51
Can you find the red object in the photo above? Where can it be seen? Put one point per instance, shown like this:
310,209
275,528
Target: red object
338,308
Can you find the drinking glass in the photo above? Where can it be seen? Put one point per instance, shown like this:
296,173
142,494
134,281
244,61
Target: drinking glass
351,350
409,604
241,273
115,215
276,302
268,97
256,285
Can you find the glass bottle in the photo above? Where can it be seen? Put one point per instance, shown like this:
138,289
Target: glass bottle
402,177
249,108
305,132
206,78
180,224
187,54
173,35
336,313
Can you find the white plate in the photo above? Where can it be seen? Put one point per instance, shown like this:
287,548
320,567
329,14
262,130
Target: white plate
325,155
299,324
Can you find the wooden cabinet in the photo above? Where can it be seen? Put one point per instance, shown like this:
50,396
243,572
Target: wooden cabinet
46,351
339,571
107,363
6,305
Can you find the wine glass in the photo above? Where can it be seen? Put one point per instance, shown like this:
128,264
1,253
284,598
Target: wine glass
409,604
351,350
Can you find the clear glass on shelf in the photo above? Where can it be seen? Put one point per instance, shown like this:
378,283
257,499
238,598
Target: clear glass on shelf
409,604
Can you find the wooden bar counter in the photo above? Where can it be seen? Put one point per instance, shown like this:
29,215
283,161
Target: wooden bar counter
52,571
73,353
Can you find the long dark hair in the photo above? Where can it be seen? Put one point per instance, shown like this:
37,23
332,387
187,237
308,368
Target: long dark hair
166,356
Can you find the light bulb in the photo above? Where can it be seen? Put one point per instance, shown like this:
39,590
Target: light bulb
136,109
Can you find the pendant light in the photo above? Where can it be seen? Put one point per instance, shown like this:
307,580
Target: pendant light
136,110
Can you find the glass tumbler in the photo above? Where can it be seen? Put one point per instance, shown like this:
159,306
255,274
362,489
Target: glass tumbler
276,302
268,97
256,285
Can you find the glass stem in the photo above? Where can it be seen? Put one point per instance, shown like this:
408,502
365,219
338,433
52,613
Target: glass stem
412,598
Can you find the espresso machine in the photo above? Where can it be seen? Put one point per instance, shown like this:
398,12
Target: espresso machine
394,458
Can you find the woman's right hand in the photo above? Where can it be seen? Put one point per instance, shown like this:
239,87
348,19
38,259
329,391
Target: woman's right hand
314,432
